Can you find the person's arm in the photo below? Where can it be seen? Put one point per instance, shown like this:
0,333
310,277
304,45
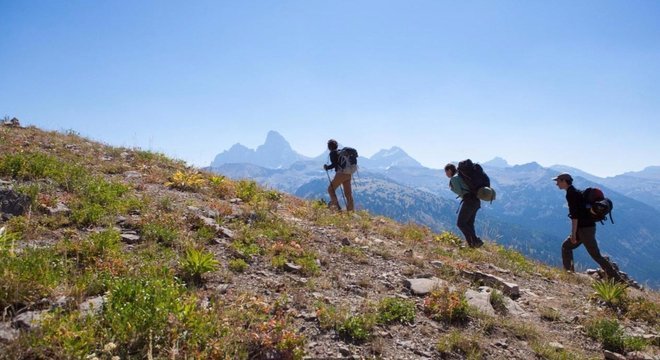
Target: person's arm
574,199
334,160
574,227
458,186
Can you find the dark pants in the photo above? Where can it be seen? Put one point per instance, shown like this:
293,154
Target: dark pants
466,217
586,236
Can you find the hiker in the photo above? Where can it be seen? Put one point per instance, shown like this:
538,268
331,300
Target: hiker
583,229
470,204
341,178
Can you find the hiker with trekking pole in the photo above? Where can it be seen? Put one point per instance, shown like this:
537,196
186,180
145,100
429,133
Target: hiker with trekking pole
344,162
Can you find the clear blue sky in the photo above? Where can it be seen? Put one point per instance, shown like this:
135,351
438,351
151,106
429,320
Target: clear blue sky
557,82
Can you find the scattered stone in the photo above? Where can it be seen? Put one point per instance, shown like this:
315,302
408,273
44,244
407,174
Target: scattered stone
222,288
424,286
408,253
344,350
27,320
502,343
7,333
132,174
345,242
92,306
613,356
513,308
377,241
555,345
235,201
226,232
638,355
61,302
437,264
120,220
130,238
480,300
60,208
510,289
13,203
292,267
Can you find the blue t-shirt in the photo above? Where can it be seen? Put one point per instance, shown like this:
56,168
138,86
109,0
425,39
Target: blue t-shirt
457,185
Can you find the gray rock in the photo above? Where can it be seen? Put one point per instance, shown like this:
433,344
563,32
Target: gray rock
60,208
513,308
92,306
638,355
292,267
510,289
13,203
7,333
130,238
226,232
132,174
424,286
61,302
222,288
555,345
27,320
437,264
613,356
480,300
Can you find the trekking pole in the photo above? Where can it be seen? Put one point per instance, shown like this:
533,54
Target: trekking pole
341,188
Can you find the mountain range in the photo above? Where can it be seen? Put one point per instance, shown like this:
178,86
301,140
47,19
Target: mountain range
529,213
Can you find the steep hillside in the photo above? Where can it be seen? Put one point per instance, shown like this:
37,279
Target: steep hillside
115,253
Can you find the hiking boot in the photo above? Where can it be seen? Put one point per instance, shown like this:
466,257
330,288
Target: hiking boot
477,244
334,206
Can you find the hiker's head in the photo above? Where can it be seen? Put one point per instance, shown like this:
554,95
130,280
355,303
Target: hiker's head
332,144
563,180
450,170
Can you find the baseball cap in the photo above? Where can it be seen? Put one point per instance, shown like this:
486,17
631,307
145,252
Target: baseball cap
563,176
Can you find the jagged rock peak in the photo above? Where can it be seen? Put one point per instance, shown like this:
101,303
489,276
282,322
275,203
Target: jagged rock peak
497,162
275,140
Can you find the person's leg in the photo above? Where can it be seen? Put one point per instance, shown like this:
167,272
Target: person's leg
567,248
476,241
588,238
348,192
334,203
468,212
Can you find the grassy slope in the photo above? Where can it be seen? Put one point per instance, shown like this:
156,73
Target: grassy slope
293,279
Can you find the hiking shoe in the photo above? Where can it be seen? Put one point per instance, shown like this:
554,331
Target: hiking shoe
477,244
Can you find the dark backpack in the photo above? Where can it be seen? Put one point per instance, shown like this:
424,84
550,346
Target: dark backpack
473,175
597,204
348,160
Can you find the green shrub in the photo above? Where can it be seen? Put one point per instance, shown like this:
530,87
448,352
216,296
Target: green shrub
457,342
186,181
30,276
196,263
237,265
611,292
138,311
356,328
160,233
549,314
498,302
7,242
327,315
446,305
392,310
611,336
246,190
449,238
643,309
